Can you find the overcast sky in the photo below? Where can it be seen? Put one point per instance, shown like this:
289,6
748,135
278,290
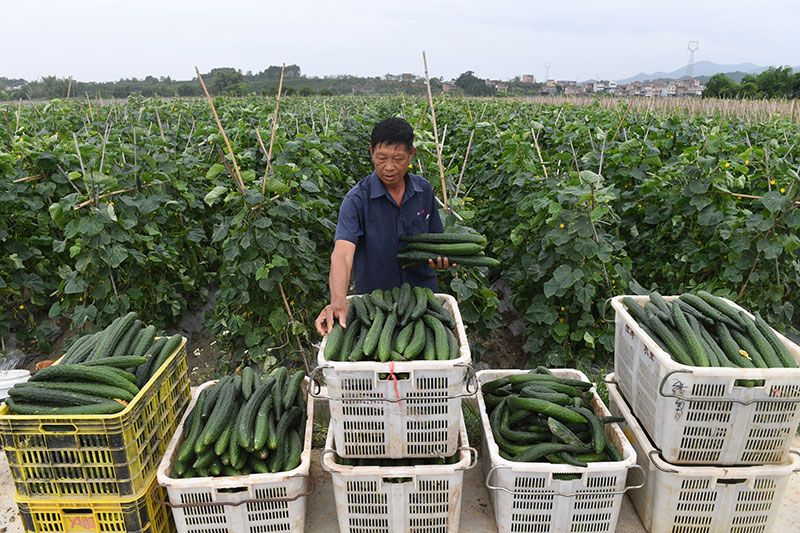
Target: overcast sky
94,40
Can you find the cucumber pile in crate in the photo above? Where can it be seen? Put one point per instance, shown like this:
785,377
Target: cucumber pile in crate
703,330
538,416
99,374
461,248
244,424
401,324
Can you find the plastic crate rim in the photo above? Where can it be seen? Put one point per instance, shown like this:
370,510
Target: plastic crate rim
5,410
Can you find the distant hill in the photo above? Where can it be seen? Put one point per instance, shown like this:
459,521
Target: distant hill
701,68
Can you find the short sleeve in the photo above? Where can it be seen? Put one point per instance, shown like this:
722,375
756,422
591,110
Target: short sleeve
350,226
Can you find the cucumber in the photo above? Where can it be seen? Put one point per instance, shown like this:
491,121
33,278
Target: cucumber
445,249
248,382
417,342
546,408
762,345
715,347
204,459
144,341
596,426
780,350
93,389
636,311
286,421
711,312
85,351
613,452
731,349
433,302
554,397
84,373
222,444
440,337
104,408
445,318
276,459
292,459
563,433
747,345
421,303
119,361
361,310
263,416
292,387
75,348
373,336
660,302
350,333
546,378
280,375
166,351
124,345
452,343
57,398
105,337
537,451
650,307
403,338
187,448
143,372
357,353
723,307
257,465
236,454
107,348
385,339
221,415
695,351
367,299
429,348
248,426
387,296
676,348
121,372
376,297
461,237
464,260
272,435
689,310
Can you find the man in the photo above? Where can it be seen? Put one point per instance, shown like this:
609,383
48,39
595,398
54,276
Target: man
380,208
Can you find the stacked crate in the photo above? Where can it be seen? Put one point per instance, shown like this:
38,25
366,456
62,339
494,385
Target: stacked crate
717,453
97,472
398,410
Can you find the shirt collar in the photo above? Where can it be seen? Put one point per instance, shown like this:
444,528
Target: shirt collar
378,189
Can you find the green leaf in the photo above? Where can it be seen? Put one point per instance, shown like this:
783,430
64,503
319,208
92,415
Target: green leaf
214,171
220,232
278,319
587,176
709,216
110,210
775,201
588,338
75,285
214,194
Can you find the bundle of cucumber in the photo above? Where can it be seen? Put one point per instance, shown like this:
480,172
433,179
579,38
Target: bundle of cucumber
541,417
244,424
703,330
399,324
460,248
99,374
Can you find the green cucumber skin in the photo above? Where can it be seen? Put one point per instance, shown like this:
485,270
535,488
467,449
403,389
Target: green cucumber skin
445,238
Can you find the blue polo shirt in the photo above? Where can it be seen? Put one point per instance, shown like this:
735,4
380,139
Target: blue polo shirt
371,219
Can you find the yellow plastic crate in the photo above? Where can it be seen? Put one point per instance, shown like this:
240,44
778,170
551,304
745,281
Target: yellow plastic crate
137,515
72,457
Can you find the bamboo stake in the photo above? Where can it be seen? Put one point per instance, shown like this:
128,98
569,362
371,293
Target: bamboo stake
464,164
108,194
272,137
538,151
77,190
237,176
69,87
621,122
160,128
83,169
19,112
33,105
8,128
89,103
26,179
296,336
435,134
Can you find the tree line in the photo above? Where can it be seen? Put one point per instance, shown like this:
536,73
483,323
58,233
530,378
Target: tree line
775,82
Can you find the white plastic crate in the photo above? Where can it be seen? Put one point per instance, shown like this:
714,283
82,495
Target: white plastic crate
702,499
415,414
699,415
254,503
527,498
383,499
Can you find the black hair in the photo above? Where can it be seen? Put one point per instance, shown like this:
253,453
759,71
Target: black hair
393,130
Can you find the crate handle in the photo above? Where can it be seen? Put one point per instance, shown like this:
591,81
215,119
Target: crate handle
666,470
567,495
473,453
796,453
314,392
603,312
234,504
732,400
322,455
59,428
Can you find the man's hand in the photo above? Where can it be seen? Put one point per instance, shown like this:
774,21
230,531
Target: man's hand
442,263
329,315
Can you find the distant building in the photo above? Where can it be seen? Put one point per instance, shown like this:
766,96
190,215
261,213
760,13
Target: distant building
528,78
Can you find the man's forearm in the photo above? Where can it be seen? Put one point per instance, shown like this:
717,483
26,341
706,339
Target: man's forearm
339,280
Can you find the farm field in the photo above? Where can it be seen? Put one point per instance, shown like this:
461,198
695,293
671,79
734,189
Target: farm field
136,205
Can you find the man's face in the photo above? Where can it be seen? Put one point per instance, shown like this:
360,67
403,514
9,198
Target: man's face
391,162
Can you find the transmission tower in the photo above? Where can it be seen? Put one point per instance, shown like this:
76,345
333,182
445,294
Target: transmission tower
546,71
693,46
